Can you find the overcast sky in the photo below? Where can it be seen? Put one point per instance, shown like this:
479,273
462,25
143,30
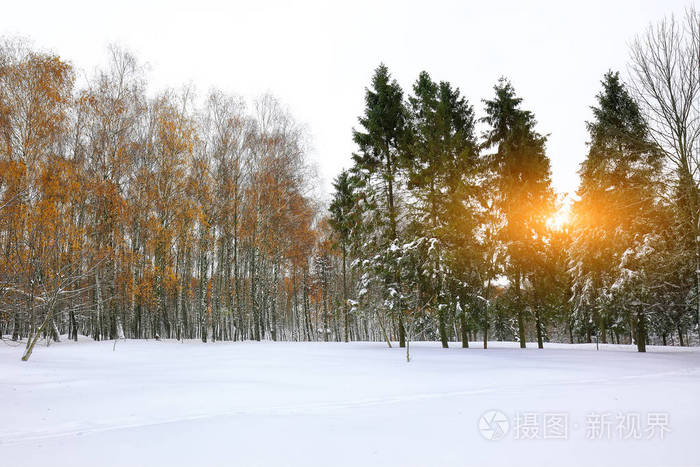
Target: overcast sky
317,57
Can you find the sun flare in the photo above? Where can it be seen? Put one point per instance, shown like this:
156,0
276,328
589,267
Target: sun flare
559,219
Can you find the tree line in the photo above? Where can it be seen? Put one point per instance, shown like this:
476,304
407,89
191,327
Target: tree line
129,215
126,214
455,235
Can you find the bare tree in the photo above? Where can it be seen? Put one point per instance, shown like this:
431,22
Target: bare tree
665,75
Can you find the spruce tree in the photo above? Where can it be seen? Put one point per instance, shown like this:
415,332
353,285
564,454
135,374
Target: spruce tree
342,220
522,176
617,198
441,159
380,142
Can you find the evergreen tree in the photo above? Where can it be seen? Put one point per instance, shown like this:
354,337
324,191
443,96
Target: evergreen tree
378,160
617,198
342,220
441,160
522,176
549,291
384,124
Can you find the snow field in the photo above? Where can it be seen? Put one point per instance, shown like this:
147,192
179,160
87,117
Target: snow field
272,403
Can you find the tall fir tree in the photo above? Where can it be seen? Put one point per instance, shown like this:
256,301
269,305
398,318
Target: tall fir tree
617,195
441,160
522,176
342,221
380,142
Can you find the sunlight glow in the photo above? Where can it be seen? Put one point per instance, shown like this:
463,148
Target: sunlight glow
559,219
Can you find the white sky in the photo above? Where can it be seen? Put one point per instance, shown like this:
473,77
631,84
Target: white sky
318,56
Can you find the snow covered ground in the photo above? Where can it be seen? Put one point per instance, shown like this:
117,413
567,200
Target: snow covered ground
169,403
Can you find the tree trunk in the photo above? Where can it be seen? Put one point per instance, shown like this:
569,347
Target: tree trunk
37,334
603,329
99,313
538,324
465,330
16,334
641,331
521,318
72,326
346,312
443,329
486,313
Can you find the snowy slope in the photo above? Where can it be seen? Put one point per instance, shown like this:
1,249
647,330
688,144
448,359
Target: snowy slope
169,403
